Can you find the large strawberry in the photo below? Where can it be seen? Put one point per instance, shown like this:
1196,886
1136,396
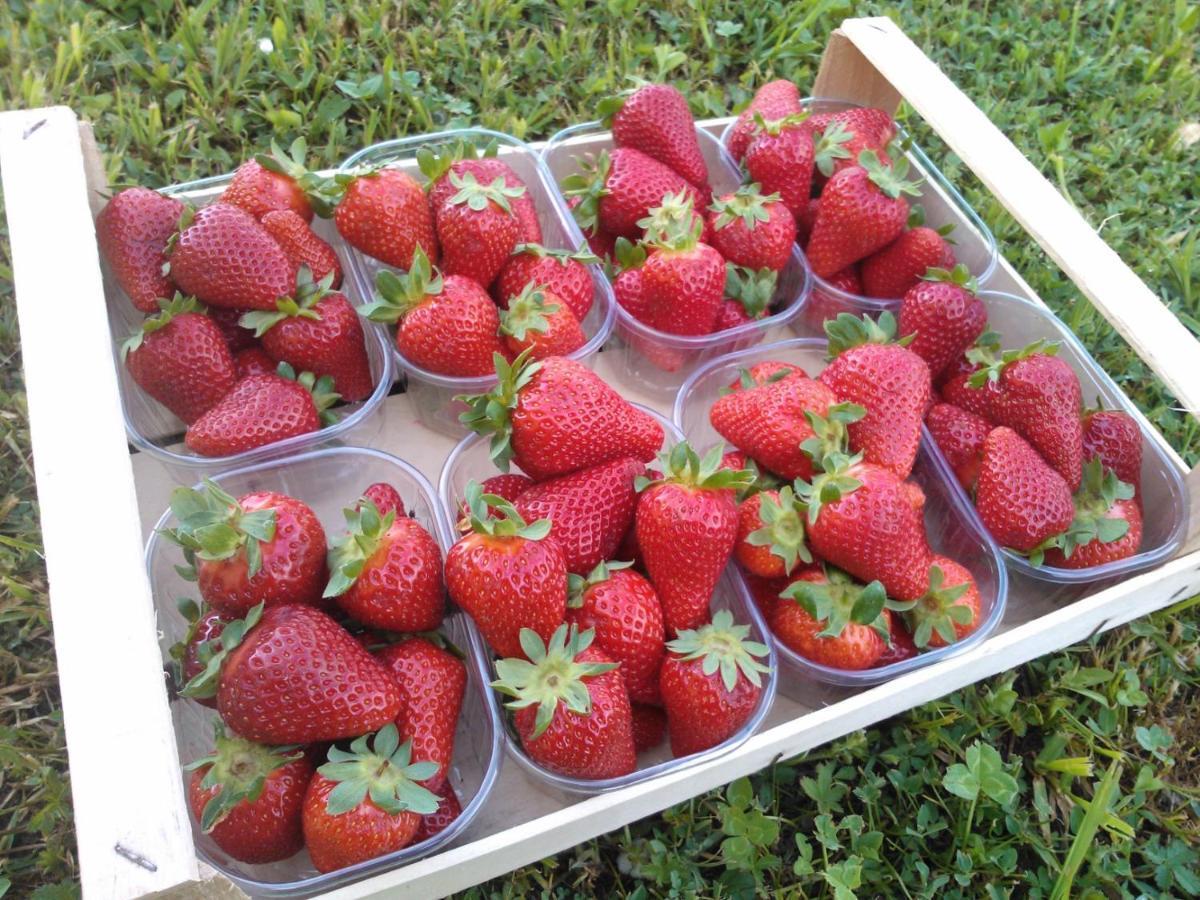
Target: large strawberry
656,120
274,182
461,158
770,536
132,231
366,801
477,227
774,100
752,229
862,210
1113,436
623,610
1020,498
683,278
686,523
887,379
386,571
303,246
564,273
318,331
263,547
248,798
571,708
1107,525
540,321
827,617
949,610
224,257
385,214
780,159
890,272
261,410
944,317
618,189
180,359
711,683
557,416
959,435
432,682
506,574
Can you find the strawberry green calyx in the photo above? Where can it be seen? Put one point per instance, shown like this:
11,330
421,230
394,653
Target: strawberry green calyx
560,255
681,465
212,653
776,127
308,294
782,528
396,295
747,203
552,674
589,184
239,769
608,108
211,525
763,481
527,313
382,770
319,191
936,611
578,584
321,390
365,530
829,485
491,413
847,331
477,196
829,431
831,147
889,179
723,647
753,288
168,311
1099,489
673,225
509,523
434,162
628,255
993,366
840,602
959,275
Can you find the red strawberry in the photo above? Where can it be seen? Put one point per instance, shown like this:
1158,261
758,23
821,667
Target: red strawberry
1038,396
618,190
710,683
432,682
683,278
770,539
540,321
949,610
506,574
253,361
179,358
766,372
385,214
944,316
557,416
366,802
649,727
960,436
804,225
955,385
477,228
201,644
846,280
273,182
589,510
752,229
461,159
1022,501
621,607
572,711
446,325
224,256
845,135
317,331
237,337
630,292
562,272
888,380
262,547
449,809
901,646
862,210
780,159
765,592
303,246
510,486
1107,524
826,617
687,525
732,314
263,409
248,798
385,497
655,119
769,422
774,100
892,271
386,572
132,231
1115,439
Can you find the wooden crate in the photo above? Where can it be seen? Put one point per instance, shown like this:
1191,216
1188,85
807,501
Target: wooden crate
134,834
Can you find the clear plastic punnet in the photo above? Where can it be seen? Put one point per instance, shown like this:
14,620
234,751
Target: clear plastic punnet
657,362
328,481
156,430
469,461
950,522
433,395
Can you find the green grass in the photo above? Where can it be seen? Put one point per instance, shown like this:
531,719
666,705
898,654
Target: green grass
990,792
